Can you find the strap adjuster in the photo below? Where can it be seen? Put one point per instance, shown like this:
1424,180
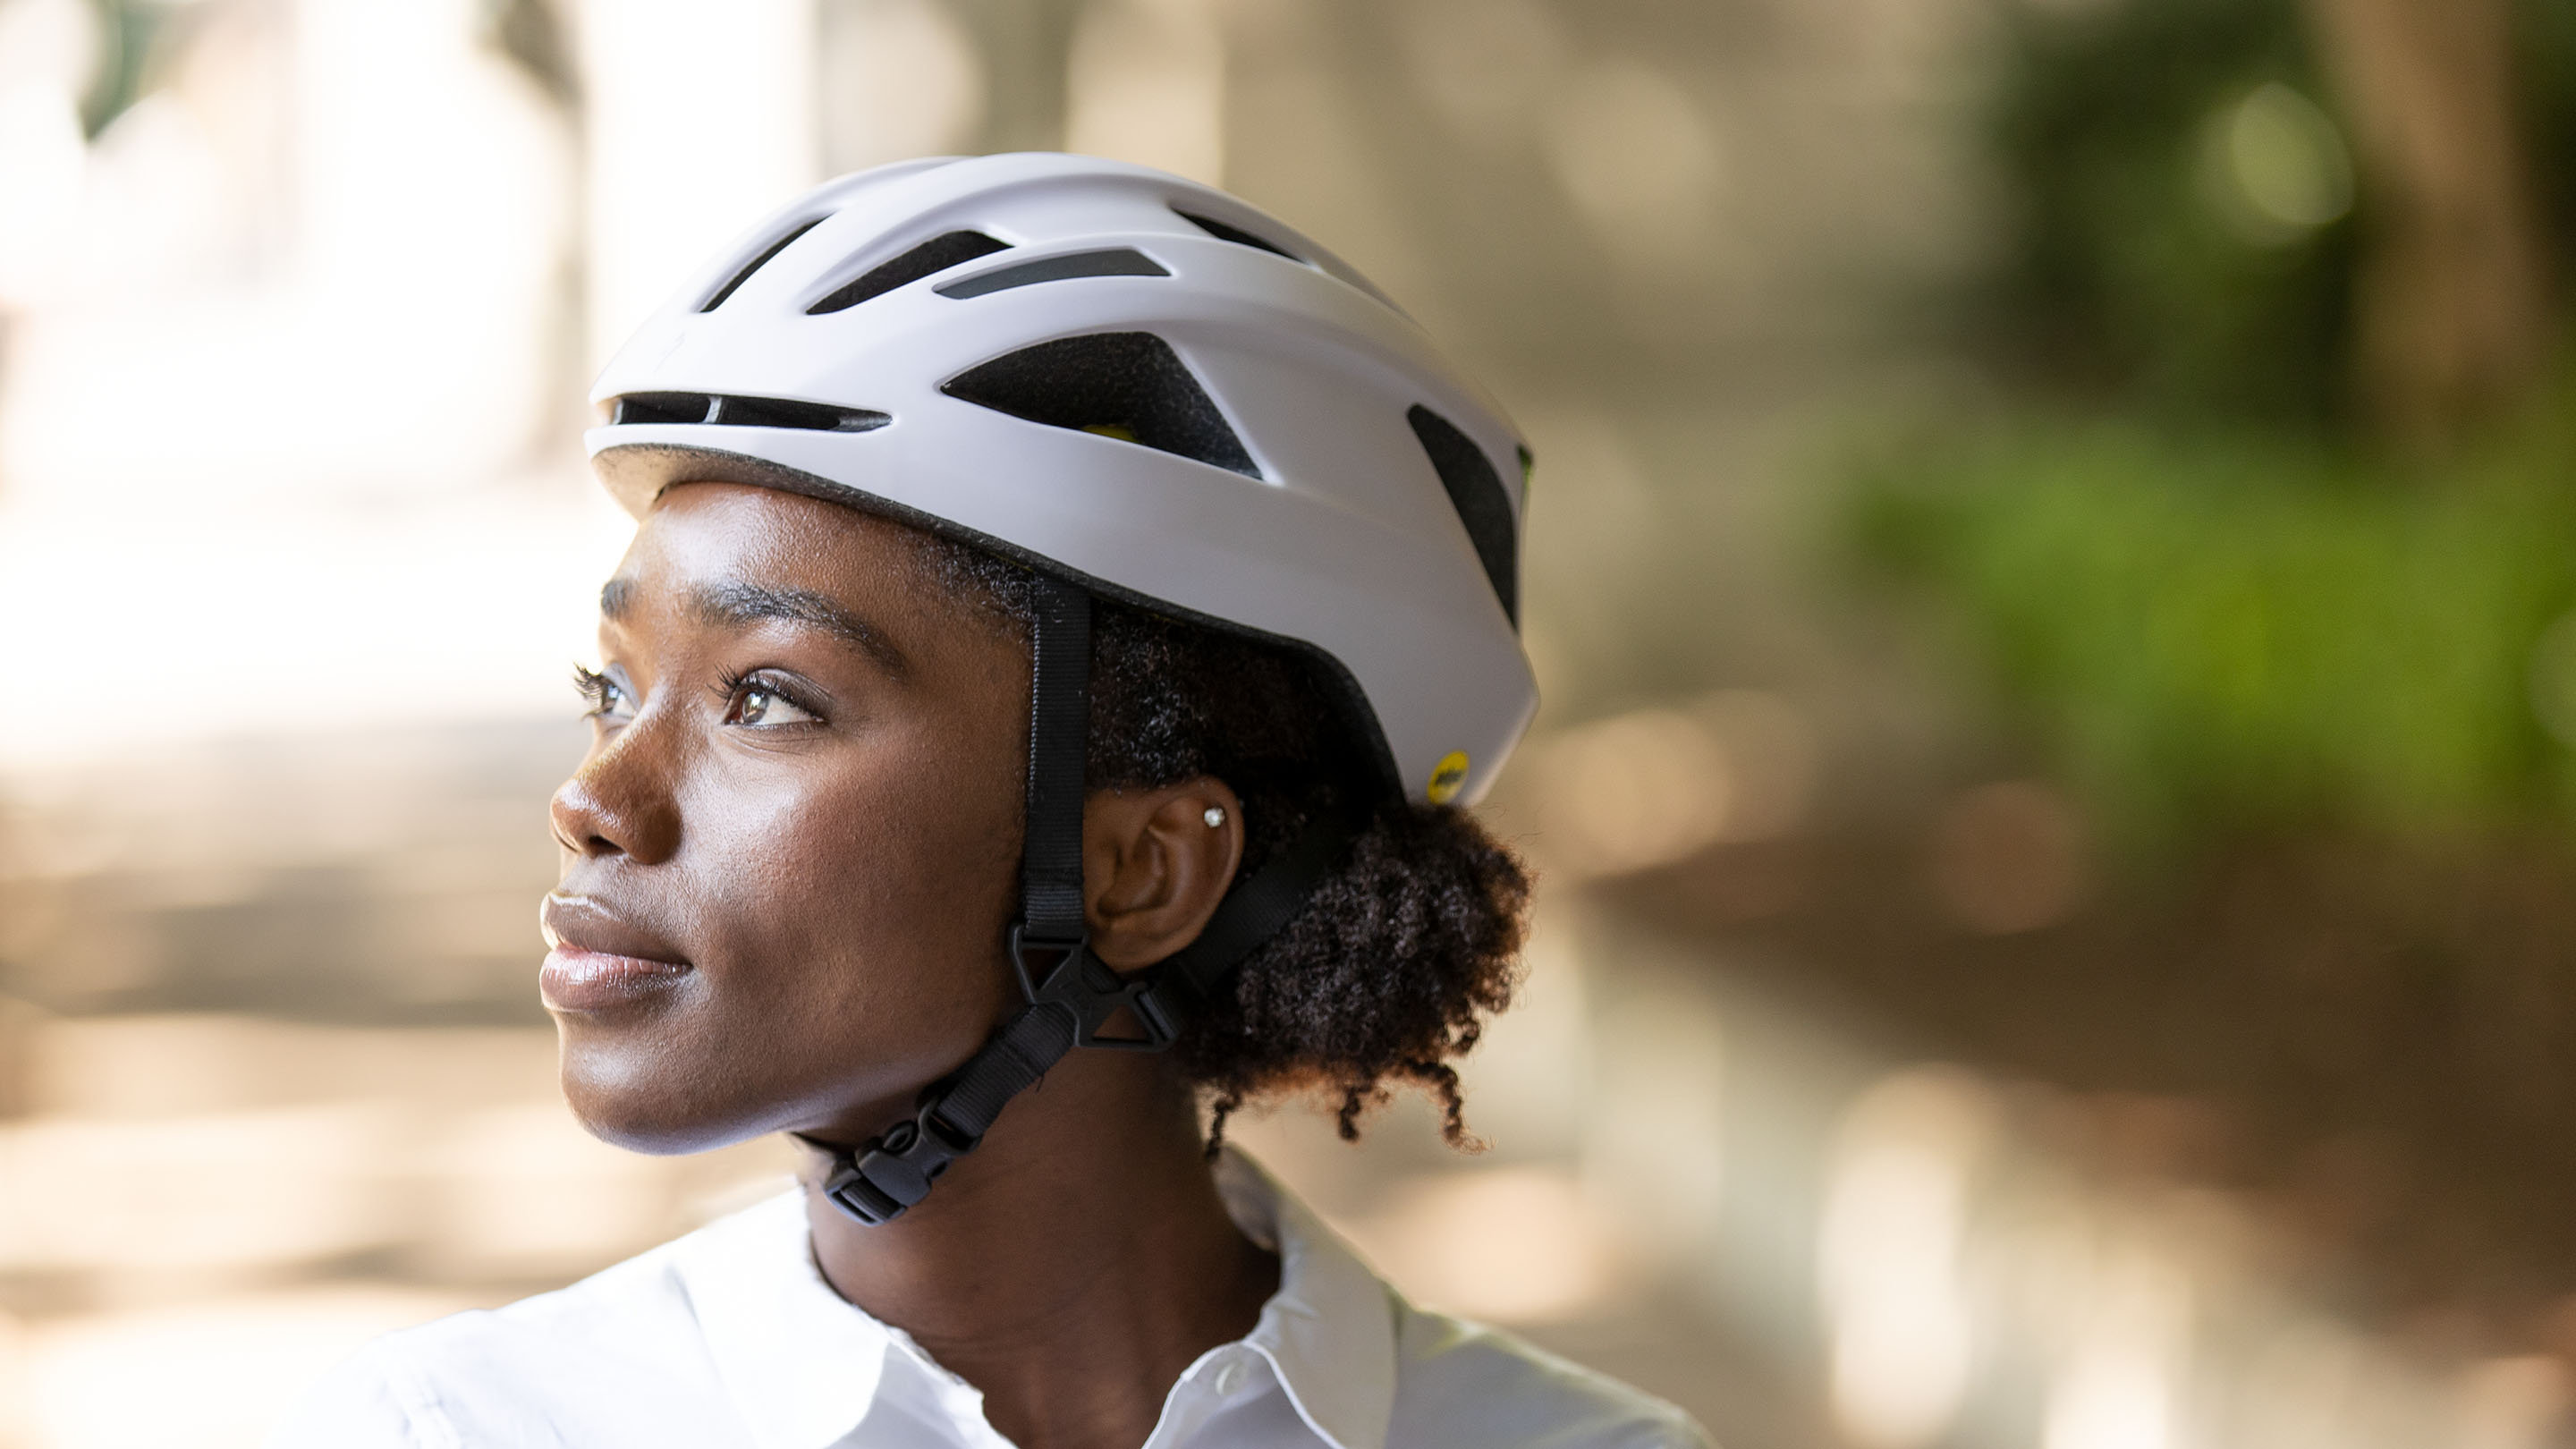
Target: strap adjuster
1066,974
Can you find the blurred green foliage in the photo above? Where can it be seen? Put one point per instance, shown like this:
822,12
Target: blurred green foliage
2144,267
2171,549
137,37
129,34
2125,279
2234,630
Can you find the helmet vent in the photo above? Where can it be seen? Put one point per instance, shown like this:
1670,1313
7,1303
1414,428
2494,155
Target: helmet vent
948,249
1115,262
660,407
1235,234
779,412
742,412
762,260
1476,491
1125,385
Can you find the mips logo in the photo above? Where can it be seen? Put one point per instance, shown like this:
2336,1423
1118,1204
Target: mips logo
1447,777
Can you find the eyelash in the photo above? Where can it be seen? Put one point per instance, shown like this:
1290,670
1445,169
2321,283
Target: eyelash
594,687
731,686
597,689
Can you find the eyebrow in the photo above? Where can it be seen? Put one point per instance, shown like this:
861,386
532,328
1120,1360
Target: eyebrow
735,604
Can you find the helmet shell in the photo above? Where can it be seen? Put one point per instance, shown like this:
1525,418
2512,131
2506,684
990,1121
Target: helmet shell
1348,542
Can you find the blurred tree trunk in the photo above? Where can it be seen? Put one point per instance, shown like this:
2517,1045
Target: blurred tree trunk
2452,315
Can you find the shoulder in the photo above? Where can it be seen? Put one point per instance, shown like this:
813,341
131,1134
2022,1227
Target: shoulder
1463,1383
561,1368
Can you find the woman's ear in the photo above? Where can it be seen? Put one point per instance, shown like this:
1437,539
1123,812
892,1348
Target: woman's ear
1155,863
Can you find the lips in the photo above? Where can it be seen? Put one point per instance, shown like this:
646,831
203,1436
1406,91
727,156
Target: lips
600,960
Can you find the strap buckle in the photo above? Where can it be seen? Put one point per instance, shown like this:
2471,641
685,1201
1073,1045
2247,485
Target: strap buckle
1077,981
896,1170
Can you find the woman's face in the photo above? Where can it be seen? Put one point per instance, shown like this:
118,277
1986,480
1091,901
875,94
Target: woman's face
790,854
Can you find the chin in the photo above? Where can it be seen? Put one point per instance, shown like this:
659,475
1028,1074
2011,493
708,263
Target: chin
640,1107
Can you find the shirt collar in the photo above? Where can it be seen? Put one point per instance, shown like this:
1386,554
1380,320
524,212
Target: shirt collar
1329,1332
803,1365
800,1363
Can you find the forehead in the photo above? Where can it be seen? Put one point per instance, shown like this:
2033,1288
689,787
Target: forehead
714,562
736,532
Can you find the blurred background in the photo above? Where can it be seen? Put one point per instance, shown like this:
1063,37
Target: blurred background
2053,569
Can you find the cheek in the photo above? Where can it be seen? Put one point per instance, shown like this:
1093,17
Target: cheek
888,869
850,919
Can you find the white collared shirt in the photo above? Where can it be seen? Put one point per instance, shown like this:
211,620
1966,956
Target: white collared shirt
730,1339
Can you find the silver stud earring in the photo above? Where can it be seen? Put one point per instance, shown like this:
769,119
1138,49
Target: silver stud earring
1214,817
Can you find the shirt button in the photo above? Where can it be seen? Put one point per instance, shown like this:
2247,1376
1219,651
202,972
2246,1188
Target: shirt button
1229,1377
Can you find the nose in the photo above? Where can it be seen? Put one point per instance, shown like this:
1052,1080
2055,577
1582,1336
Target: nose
620,802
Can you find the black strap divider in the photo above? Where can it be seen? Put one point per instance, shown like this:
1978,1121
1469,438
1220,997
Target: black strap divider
1073,999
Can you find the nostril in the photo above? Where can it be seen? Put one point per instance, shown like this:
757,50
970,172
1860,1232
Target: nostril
579,823
619,804
575,840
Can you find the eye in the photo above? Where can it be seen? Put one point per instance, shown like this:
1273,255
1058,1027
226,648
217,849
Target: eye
753,702
609,700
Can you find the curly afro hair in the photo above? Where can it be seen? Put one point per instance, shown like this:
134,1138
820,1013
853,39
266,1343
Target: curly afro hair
1387,975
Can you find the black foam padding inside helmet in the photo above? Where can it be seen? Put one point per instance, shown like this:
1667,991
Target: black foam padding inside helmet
1125,385
948,249
1476,491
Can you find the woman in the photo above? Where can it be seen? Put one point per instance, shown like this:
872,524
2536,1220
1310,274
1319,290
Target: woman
1067,610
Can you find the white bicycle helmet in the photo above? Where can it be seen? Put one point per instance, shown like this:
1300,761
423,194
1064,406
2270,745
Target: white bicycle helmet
1140,388
1129,379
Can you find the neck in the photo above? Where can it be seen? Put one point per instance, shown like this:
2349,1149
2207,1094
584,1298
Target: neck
1073,1266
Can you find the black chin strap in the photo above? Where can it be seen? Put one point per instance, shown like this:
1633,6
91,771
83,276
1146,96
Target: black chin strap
1072,999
